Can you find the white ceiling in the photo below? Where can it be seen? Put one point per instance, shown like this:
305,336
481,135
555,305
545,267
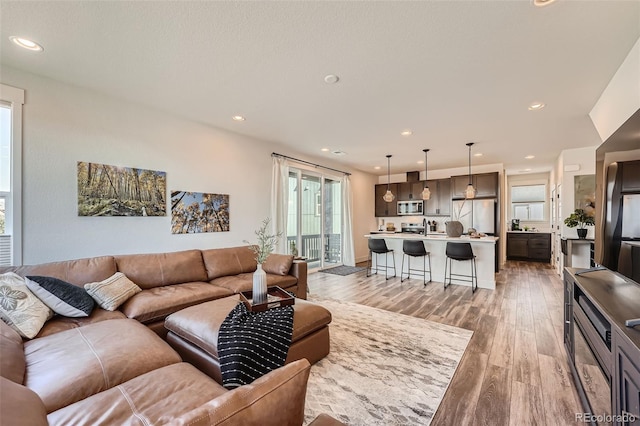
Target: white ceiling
452,71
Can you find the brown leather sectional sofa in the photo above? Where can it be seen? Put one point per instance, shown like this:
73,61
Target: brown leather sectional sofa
115,368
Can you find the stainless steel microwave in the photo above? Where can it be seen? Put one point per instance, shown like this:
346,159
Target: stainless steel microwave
410,207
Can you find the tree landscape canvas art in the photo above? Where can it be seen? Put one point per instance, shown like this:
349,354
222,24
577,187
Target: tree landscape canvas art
105,190
196,212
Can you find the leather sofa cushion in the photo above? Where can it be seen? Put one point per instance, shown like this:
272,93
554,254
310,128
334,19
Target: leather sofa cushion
20,406
244,282
228,261
160,269
12,363
60,323
199,325
277,397
153,398
77,272
69,366
156,303
278,264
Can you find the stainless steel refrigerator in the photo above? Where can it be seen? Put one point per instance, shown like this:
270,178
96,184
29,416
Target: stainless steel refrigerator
477,214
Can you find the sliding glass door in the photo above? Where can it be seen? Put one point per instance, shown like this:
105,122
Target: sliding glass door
314,220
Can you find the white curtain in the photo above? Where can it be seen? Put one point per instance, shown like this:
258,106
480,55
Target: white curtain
348,255
280,201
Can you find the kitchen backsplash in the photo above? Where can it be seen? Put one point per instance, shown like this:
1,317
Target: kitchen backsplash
399,220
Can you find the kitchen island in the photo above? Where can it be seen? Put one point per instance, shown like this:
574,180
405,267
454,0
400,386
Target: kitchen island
484,248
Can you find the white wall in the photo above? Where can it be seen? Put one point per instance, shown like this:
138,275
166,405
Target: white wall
584,159
621,99
64,124
529,179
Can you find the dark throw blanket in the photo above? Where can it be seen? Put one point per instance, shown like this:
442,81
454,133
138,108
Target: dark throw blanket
251,344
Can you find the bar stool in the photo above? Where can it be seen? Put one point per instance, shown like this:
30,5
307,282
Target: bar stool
461,251
415,248
379,246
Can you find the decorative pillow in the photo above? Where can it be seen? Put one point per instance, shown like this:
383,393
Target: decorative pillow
278,264
63,298
19,308
113,291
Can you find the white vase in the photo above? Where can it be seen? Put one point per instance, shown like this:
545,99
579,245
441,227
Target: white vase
259,285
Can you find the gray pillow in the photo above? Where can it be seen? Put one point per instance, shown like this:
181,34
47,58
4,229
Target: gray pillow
63,298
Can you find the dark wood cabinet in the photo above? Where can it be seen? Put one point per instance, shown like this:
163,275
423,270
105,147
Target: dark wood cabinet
631,176
627,378
517,246
440,202
604,354
486,185
408,191
382,208
529,246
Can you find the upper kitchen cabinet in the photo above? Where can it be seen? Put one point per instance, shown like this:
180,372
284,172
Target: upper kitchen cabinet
440,202
408,191
486,185
384,209
630,176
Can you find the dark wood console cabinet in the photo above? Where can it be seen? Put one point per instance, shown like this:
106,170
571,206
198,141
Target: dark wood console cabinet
604,354
534,246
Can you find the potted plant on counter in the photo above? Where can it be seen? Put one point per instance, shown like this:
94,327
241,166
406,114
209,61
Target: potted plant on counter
580,219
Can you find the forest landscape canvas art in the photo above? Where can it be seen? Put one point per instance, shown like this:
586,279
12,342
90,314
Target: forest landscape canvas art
196,212
105,190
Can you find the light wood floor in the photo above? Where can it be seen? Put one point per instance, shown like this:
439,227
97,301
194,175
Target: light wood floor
515,369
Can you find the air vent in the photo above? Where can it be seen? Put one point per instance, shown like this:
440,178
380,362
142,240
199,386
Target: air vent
336,152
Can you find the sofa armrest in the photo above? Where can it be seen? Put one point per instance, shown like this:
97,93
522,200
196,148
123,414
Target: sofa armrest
20,406
275,399
299,270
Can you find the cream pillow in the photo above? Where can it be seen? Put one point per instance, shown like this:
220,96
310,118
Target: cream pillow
19,308
113,291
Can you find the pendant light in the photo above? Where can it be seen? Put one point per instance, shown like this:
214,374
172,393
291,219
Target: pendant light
426,193
388,196
471,191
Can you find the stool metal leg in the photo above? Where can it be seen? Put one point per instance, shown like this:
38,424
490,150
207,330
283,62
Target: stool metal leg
447,262
429,267
369,264
402,268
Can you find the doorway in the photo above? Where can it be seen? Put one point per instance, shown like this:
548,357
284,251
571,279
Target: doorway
314,218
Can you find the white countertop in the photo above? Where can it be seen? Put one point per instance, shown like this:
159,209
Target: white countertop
632,243
433,237
528,232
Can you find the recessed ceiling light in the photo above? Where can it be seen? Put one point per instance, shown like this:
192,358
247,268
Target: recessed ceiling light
324,149
338,152
478,154
529,157
535,106
377,167
238,118
331,79
542,3
420,161
407,132
26,43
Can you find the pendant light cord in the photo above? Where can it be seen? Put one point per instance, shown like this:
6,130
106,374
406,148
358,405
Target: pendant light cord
388,171
469,145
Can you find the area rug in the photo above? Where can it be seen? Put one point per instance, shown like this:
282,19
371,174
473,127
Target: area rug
343,270
384,368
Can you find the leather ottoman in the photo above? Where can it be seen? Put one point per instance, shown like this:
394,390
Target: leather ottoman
193,333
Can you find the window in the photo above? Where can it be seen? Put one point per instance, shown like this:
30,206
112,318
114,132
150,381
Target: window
528,202
11,100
